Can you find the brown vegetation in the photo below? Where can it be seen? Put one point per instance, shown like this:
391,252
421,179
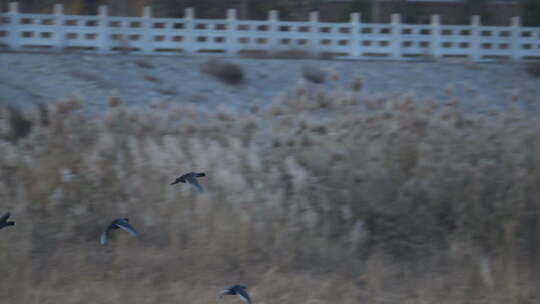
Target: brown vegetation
383,201
151,78
144,63
90,77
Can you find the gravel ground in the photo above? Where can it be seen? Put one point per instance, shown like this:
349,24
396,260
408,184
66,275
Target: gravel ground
27,79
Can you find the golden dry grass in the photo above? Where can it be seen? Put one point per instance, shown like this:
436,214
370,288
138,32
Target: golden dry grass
322,197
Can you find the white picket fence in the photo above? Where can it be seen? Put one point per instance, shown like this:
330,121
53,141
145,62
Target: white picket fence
232,37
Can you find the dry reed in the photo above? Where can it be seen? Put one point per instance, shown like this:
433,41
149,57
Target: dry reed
376,200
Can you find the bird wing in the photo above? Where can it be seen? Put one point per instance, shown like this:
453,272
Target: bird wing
193,180
224,292
103,237
4,217
244,296
127,227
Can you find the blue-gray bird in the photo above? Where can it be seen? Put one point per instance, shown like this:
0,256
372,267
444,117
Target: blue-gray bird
191,178
4,221
122,223
239,290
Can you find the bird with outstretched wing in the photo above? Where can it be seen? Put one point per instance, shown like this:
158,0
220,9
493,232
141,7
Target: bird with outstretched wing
239,290
119,223
191,178
4,221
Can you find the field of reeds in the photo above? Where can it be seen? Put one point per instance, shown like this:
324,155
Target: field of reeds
322,197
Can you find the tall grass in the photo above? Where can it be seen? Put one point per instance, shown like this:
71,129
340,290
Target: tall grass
323,196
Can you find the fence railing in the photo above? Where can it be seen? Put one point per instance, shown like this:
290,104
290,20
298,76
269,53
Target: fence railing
231,36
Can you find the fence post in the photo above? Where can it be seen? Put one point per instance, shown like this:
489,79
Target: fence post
355,35
273,34
435,35
516,24
396,36
232,43
59,25
189,15
14,21
475,38
313,40
103,12
147,45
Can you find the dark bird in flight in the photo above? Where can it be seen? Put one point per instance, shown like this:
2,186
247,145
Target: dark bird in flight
239,290
122,223
191,178
4,221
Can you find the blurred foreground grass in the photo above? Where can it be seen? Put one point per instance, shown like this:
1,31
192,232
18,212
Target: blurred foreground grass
322,197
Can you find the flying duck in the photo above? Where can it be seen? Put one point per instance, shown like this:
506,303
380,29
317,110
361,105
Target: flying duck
4,221
191,178
122,223
239,290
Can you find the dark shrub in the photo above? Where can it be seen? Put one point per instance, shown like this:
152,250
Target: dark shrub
230,73
534,69
314,74
20,126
